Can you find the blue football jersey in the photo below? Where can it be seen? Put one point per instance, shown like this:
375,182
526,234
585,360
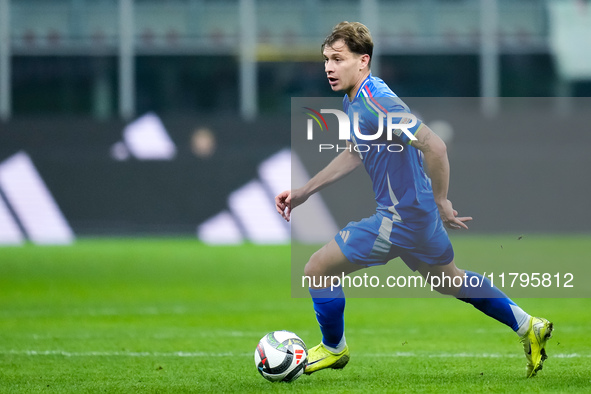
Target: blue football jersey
402,189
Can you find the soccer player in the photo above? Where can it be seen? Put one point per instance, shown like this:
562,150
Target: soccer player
412,210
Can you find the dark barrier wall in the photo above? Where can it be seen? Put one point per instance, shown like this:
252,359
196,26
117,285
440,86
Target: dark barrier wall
100,195
527,170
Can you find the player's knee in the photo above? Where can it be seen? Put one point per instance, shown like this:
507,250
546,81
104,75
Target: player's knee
313,268
446,280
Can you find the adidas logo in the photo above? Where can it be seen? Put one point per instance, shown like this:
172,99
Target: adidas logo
252,216
344,235
299,354
27,208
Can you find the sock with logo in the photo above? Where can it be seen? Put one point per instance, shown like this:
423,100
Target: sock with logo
493,302
329,305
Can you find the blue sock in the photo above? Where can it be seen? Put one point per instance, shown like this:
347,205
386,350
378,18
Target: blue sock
492,301
330,311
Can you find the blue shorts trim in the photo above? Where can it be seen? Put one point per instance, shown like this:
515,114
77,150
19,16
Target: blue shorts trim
377,240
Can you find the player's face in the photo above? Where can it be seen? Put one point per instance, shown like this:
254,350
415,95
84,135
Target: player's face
344,69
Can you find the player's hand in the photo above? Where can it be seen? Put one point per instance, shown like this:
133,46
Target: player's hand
286,201
450,217
283,204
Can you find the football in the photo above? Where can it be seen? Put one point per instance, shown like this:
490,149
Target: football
281,356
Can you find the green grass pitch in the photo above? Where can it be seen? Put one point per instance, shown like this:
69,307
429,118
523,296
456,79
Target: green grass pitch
174,315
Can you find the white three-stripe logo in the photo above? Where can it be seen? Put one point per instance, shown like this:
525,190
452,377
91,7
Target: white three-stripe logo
344,235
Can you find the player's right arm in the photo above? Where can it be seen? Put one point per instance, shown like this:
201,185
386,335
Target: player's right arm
340,166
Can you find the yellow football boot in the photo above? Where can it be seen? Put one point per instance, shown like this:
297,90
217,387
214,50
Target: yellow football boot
319,357
534,343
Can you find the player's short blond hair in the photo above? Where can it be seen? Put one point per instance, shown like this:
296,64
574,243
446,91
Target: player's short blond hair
354,34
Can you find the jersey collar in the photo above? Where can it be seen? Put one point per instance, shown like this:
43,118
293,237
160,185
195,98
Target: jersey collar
362,85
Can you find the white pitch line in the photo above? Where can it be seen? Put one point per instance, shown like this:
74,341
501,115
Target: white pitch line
167,335
469,355
106,311
116,354
64,353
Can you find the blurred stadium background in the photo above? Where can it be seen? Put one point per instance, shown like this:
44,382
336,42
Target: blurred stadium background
172,117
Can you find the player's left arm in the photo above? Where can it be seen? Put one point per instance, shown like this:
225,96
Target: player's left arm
435,154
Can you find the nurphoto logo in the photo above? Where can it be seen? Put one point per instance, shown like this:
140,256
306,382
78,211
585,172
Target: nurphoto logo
397,123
